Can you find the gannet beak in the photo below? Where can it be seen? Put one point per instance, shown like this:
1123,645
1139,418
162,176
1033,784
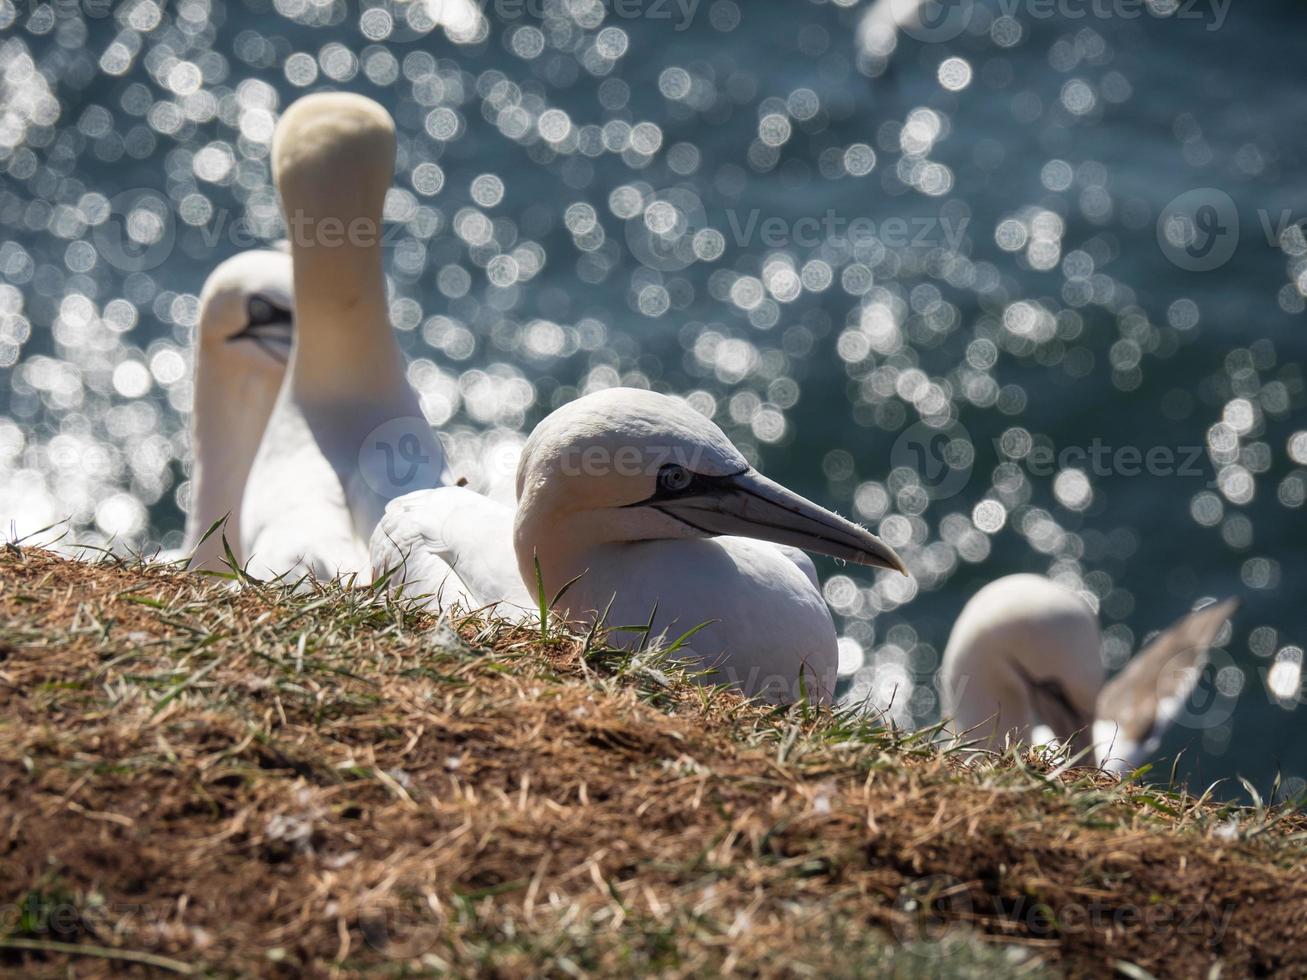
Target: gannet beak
752,506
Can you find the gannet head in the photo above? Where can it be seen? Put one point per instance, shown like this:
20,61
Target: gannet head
246,310
626,465
333,159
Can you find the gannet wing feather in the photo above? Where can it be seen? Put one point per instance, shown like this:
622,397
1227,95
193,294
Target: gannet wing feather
452,545
1138,705
801,559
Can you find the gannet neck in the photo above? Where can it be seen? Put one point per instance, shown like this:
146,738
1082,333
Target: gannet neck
347,434
230,411
333,161
989,707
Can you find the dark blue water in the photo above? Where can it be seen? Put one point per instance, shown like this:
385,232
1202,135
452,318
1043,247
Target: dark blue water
1013,263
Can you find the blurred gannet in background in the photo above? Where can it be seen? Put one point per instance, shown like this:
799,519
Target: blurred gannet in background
1024,655
625,494
241,347
347,434
878,30
885,21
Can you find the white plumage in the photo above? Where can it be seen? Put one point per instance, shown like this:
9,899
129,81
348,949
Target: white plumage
652,516
347,434
452,546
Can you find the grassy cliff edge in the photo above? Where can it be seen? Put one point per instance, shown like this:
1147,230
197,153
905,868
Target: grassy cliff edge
202,781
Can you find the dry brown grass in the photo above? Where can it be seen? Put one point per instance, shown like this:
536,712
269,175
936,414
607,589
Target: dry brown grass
198,780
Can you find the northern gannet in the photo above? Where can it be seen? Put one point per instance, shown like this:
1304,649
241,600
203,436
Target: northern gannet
241,346
347,434
656,520
1024,654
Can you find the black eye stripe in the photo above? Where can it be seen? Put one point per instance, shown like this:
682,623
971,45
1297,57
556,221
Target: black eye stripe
697,485
268,324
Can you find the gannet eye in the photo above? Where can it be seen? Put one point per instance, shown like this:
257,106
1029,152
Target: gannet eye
259,310
673,478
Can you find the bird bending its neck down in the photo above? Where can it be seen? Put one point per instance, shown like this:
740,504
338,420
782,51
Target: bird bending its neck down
660,516
1024,656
